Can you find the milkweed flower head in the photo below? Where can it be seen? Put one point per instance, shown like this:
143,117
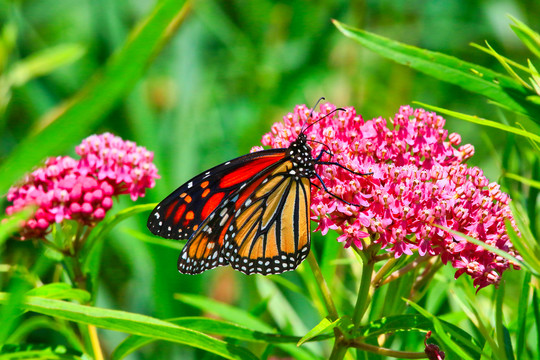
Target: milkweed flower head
418,179
83,190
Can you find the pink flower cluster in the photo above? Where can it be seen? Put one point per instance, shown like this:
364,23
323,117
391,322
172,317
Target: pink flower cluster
418,180
82,190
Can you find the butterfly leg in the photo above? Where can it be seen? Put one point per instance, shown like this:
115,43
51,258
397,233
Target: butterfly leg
334,195
341,166
323,151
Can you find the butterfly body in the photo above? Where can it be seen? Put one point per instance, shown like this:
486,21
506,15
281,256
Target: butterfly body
251,213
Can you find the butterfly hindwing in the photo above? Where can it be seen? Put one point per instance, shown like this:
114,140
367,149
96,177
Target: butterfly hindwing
180,214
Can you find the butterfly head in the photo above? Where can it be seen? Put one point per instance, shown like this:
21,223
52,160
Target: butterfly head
303,164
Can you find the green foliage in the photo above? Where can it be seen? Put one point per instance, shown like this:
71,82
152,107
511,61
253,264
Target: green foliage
200,86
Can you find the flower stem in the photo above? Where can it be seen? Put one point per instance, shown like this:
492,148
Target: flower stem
365,290
323,287
383,271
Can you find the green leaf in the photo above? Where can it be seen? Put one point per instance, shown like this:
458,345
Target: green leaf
239,316
526,244
67,124
446,336
38,351
60,291
321,327
208,326
8,37
477,79
492,52
529,37
149,239
483,122
43,62
522,308
132,324
224,311
50,325
11,224
523,180
486,246
90,256
99,233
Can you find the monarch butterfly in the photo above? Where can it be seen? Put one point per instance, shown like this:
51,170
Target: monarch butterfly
252,212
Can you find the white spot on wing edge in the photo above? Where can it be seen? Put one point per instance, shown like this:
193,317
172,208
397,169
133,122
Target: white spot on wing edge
190,184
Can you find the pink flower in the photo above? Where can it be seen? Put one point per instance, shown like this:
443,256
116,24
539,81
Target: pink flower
82,190
419,180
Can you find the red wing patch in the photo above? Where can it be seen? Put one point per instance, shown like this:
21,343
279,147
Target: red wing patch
180,215
249,171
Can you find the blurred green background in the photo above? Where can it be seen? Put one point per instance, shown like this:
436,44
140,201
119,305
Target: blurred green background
230,71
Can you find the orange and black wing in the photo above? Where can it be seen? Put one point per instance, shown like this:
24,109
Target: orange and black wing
181,214
262,228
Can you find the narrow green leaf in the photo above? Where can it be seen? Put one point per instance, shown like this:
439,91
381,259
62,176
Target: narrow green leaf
241,317
149,239
536,312
440,333
11,224
523,307
529,37
495,86
524,180
224,311
48,324
70,122
208,326
44,62
487,247
279,307
526,244
8,37
524,248
322,326
535,79
509,350
483,122
492,52
499,326
508,67
60,291
132,324
38,351
91,253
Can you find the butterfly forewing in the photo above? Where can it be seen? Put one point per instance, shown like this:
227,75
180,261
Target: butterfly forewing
180,214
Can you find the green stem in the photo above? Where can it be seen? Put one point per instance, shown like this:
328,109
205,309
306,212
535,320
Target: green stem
339,350
383,271
364,292
323,287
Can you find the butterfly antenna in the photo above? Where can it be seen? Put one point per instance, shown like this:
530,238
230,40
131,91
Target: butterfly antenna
314,107
324,117
312,110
